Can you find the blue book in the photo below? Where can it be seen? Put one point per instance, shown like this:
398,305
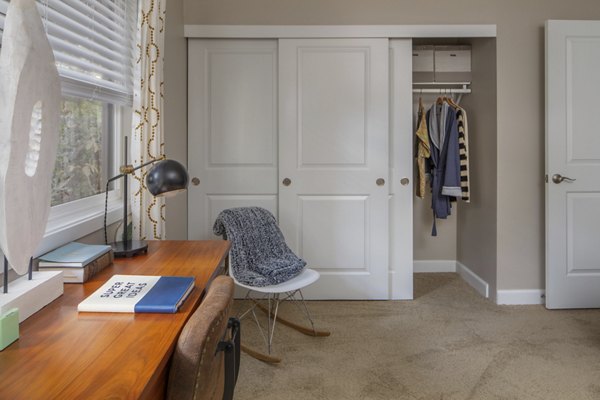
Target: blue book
139,294
73,255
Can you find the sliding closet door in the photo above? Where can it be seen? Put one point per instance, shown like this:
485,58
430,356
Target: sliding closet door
333,162
401,170
232,129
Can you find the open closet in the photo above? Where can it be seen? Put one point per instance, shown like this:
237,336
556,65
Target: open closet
466,240
316,125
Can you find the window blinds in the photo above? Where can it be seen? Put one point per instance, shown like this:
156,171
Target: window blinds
93,43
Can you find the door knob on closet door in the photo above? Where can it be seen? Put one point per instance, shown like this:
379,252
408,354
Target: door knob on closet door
195,181
558,178
380,182
404,181
286,182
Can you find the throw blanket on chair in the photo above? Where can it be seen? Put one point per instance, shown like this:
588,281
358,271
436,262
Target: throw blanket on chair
259,254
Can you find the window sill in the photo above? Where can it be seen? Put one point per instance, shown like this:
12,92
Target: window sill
79,218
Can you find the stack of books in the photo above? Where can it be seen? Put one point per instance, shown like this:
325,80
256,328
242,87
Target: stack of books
78,261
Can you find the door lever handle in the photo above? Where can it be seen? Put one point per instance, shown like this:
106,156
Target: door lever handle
558,178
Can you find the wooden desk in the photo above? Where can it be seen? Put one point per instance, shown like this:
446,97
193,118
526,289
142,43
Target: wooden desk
63,354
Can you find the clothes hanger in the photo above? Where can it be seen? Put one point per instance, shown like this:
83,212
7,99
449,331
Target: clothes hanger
450,101
453,103
444,98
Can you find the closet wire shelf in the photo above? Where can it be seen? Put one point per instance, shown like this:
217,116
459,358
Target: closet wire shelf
441,87
459,88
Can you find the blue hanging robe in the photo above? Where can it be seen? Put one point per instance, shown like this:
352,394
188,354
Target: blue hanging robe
445,161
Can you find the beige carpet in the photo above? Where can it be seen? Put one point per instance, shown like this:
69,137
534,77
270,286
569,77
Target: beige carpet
449,343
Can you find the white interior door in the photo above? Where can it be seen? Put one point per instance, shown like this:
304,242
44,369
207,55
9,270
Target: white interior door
232,129
573,151
333,197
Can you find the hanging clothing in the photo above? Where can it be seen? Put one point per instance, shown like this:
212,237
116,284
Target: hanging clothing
445,163
463,147
423,150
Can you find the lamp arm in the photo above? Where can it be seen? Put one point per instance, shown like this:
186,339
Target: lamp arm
125,170
149,162
129,169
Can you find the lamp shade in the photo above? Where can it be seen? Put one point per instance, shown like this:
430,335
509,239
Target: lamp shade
166,176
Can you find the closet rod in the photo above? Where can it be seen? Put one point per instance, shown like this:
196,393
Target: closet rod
463,87
442,90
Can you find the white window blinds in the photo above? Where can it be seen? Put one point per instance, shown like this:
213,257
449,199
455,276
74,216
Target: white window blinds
93,43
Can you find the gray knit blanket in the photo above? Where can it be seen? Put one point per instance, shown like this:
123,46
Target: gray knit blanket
259,254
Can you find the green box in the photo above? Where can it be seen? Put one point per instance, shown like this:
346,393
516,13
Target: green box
9,328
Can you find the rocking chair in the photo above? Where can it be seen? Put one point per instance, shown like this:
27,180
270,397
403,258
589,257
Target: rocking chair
261,262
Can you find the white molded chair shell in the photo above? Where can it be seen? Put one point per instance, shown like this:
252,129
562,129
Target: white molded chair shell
305,278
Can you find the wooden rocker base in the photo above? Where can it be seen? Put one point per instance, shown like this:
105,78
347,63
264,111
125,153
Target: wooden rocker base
260,356
302,329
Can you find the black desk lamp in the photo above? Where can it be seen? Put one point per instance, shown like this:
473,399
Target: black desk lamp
167,177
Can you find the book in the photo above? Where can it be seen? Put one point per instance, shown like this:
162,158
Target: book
139,294
73,254
83,274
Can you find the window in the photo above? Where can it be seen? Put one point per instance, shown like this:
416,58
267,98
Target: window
93,44
82,163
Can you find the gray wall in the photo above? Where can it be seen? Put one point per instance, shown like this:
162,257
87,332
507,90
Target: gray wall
476,227
425,246
520,93
175,113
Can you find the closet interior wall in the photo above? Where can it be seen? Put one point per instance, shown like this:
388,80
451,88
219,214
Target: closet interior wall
469,234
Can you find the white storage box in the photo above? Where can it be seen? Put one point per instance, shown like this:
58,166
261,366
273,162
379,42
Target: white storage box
452,63
423,58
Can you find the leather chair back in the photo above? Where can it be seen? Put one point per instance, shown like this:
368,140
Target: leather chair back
198,367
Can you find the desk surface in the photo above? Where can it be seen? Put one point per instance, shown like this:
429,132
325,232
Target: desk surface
63,354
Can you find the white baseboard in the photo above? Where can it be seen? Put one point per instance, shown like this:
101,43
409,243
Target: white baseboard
527,296
434,266
481,286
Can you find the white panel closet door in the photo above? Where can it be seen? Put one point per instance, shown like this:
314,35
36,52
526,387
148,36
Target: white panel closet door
232,129
572,164
333,149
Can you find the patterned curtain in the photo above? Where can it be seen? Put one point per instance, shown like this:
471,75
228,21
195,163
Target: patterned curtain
148,142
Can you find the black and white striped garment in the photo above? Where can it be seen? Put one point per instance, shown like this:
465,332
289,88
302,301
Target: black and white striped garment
463,149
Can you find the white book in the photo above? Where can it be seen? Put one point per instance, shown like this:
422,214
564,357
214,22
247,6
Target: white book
82,274
139,293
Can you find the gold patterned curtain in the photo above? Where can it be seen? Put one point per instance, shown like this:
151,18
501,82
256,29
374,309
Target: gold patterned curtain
148,142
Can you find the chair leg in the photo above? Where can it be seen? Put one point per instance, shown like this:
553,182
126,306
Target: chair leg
268,333
268,337
312,331
272,311
260,356
273,297
307,313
